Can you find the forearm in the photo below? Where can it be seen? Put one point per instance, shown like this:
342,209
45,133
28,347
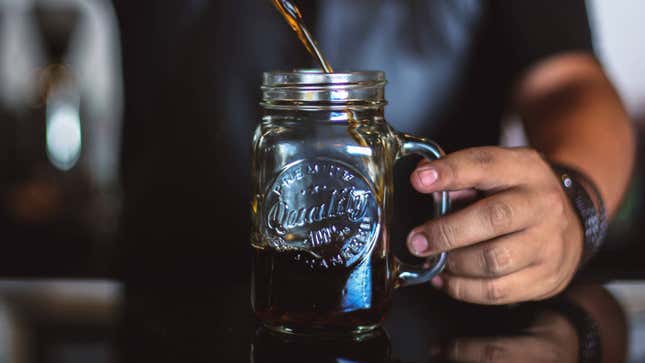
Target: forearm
573,115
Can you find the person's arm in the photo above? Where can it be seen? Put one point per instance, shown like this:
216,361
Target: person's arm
524,240
573,115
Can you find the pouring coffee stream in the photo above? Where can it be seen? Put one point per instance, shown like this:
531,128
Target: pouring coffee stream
293,16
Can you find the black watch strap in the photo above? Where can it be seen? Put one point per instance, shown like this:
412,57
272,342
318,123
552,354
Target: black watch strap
589,206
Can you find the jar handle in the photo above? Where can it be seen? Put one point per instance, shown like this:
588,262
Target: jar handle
410,274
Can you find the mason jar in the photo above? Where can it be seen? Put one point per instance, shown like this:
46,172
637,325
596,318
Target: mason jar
323,158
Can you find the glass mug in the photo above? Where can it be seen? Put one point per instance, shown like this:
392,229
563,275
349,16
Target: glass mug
322,170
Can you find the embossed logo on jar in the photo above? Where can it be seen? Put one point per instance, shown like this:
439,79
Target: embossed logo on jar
322,211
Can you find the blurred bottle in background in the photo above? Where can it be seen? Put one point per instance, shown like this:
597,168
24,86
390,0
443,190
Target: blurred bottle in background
60,114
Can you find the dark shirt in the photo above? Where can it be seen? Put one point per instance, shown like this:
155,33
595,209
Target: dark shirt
192,75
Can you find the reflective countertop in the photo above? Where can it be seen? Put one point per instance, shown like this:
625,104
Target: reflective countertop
107,321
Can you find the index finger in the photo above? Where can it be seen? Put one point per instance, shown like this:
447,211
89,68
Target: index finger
488,218
481,168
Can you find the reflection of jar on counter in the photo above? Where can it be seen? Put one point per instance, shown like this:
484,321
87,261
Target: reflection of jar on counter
269,347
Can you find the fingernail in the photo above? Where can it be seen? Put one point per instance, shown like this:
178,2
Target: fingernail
427,176
418,243
437,282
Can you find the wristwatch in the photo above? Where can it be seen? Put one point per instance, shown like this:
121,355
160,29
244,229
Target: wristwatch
587,202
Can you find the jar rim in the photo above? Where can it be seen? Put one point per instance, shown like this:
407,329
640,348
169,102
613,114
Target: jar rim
315,77
313,88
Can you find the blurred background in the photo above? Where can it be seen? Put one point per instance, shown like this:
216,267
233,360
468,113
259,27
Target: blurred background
61,98
62,193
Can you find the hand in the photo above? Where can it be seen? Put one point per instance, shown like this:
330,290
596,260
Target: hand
522,241
551,339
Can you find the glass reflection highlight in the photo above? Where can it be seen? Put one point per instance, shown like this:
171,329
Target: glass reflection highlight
63,135
358,150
